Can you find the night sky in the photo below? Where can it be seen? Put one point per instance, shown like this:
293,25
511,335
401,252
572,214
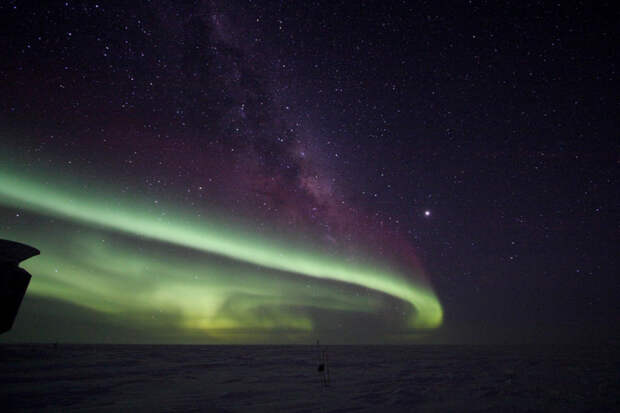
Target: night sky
282,172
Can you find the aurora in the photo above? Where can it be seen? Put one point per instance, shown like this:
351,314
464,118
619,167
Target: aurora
231,275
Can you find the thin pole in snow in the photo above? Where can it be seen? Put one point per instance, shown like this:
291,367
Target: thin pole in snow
323,367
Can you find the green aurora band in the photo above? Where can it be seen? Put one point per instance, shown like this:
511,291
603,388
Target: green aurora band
87,271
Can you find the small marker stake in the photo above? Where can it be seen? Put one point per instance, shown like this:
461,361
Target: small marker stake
323,367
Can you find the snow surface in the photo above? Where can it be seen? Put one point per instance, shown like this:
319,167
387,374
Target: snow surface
285,378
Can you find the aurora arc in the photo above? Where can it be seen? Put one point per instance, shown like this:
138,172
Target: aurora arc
100,209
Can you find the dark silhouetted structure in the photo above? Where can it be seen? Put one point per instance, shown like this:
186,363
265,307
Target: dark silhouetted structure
13,280
323,367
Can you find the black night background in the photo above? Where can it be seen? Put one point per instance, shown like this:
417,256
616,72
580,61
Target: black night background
273,172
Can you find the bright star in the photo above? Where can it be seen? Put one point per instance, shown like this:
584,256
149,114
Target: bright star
427,213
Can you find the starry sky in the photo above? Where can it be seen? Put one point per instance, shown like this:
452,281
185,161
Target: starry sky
240,172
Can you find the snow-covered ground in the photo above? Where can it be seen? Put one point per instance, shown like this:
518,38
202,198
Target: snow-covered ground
285,378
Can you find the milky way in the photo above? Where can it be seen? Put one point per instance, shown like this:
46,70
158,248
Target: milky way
193,193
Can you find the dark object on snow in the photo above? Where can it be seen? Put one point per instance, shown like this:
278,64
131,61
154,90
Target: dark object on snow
323,368
13,280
